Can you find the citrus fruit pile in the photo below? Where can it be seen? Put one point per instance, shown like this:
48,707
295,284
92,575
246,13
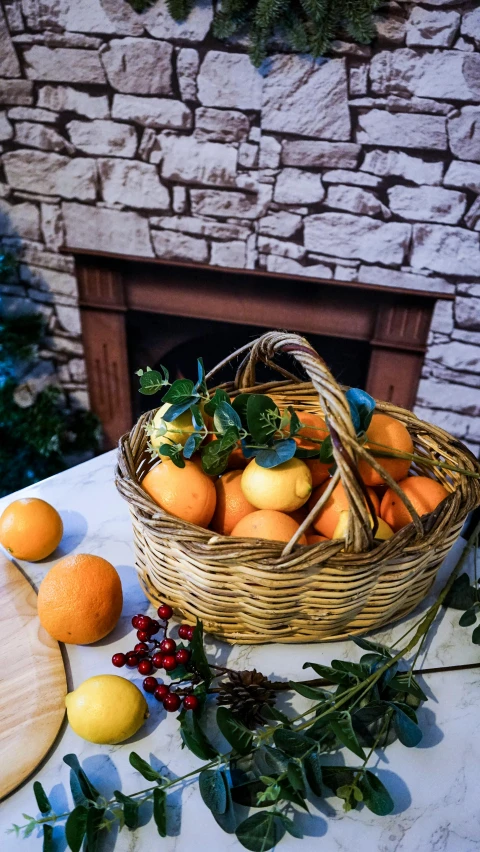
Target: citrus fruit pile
251,501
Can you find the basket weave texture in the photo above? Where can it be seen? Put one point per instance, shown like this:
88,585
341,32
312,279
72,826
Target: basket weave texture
250,591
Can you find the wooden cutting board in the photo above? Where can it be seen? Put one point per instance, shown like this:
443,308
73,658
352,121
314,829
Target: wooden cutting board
32,681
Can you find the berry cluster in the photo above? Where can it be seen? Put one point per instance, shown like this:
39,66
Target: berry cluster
150,654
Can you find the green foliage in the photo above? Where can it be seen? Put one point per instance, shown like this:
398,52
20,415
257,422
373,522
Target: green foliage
308,26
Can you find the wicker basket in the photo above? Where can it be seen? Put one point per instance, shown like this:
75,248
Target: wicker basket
253,591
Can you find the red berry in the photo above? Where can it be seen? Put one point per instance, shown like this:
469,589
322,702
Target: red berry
157,660
135,621
141,649
165,611
168,646
142,636
143,622
145,667
171,702
190,633
119,660
150,684
183,631
191,702
153,627
182,656
132,660
169,662
161,692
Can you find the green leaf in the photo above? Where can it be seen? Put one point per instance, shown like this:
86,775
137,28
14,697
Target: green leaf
260,832
252,794
403,682
215,458
198,422
173,453
334,676
295,424
336,777
313,770
326,451
313,692
201,385
178,393
272,714
362,406
76,827
234,731
194,738
212,790
290,795
342,727
295,777
227,820
407,731
160,811
290,826
357,670
462,595
280,452
198,657
150,382
219,396
77,793
469,617
375,794
225,417
180,408
94,821
263,417
292,743
367,645
86,786
41,797
130,809
240,406
146,771
191,445
270,760
48,844
476,636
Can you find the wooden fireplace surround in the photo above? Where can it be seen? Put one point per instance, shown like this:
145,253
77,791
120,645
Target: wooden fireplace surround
394,322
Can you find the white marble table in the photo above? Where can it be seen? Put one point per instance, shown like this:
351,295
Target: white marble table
435,786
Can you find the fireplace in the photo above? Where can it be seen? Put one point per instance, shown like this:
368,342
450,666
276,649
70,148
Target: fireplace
137,313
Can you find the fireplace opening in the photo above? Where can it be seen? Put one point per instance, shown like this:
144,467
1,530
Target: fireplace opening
176,342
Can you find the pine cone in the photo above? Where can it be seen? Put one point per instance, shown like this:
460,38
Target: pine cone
245,693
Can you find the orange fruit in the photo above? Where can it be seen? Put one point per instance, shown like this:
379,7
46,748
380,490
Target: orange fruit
299,515
269,524
314,538
389,432
80,599
328,518
319,471
185,492
232,505
315,427
236,459
424,493
30,529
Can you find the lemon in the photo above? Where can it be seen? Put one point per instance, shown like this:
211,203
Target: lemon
283,488
383,530
106,709
175,432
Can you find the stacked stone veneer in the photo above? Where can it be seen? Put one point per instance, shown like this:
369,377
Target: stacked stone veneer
133,134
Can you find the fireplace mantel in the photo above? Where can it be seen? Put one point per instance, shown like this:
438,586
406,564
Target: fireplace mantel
394,322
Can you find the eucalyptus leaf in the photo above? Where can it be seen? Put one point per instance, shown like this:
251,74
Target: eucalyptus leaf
212,790
263,417
226,417
198,422
290,826
357,670
293,743
313,770
201,385
76,827
462,595
334,676
143,767
151,382
198,657
227,821
41,797
295,777
234,731
240,406
214,458
469,617
273,714
368,645
295,424
191,445
130,809
179,408
172,453
476,636
404,682
315,693
194,738
288,793
78,795
342,727
375,794
260,832
94,821
336,777
270,760
407,730
160,811
179,392
326,451
219,396
280,452
362,406
48,844
86,785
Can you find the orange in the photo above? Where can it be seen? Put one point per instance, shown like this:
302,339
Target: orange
299,515
314,538
232,505
315,427
30,529
236,459
269,524
80,599
329,516
391,433
185,492
424,493
319,471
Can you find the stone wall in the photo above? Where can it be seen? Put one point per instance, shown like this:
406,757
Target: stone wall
142,136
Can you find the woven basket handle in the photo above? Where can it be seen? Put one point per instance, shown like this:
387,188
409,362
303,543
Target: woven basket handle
346,447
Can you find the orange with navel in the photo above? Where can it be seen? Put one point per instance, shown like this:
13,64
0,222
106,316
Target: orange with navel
268,524
30,529
184,492
424,493
80,599
386,433
232,505
326,521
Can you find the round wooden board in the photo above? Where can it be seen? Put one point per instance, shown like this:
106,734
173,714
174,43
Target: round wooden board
32,683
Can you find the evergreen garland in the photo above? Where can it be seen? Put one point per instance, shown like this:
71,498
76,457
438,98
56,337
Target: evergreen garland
35,440
307,26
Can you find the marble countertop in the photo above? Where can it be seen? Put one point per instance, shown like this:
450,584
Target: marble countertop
434,786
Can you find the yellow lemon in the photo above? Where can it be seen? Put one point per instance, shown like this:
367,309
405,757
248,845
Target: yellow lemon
174,432
383,530
106,709
283,488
